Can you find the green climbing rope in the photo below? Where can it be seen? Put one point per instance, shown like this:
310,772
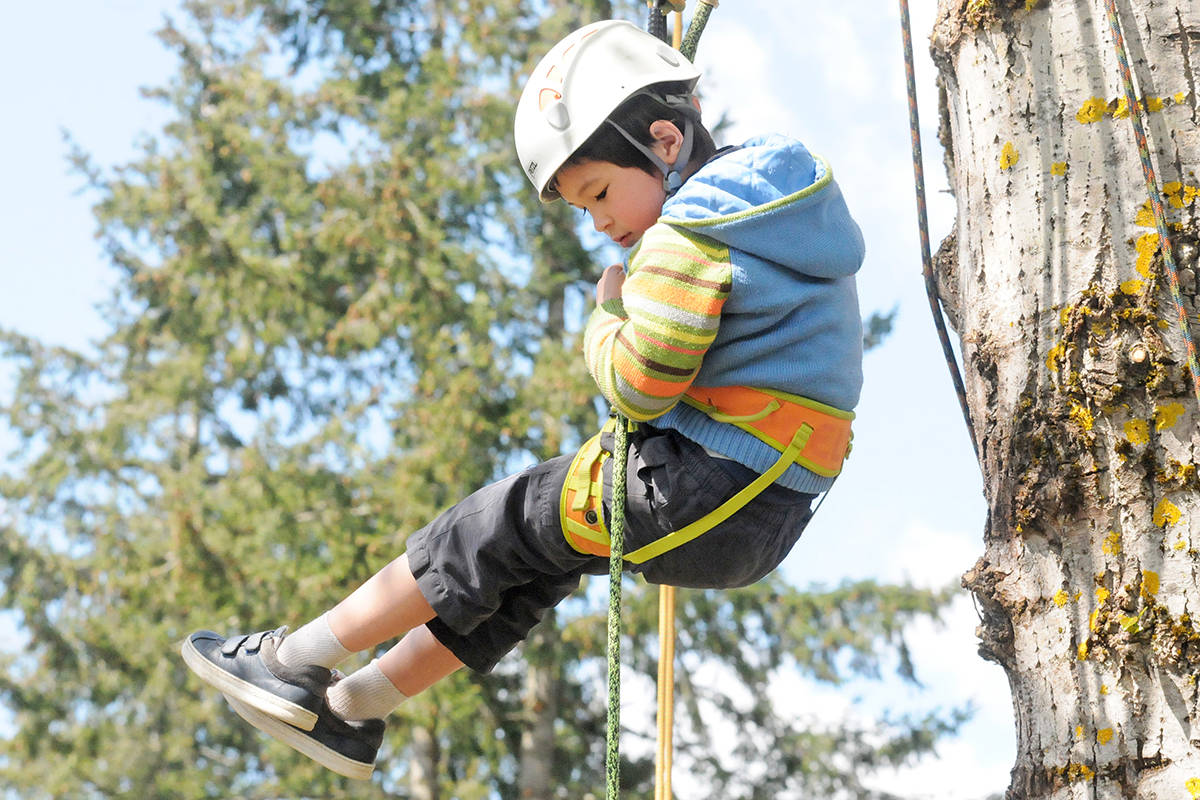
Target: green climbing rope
696,27
615,568
616,557
1160,216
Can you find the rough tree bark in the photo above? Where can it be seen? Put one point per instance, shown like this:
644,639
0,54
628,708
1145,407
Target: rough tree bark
1077,381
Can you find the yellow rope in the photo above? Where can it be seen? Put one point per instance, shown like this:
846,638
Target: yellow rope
666,692
666,633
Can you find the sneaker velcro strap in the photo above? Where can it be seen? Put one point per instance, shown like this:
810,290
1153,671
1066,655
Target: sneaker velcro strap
233,643
254,641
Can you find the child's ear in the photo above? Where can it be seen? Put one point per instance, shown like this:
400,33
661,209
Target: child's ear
667,140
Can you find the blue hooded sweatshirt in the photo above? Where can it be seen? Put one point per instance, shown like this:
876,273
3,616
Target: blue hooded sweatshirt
791,321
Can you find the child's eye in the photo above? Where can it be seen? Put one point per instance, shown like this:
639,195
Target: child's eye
603,192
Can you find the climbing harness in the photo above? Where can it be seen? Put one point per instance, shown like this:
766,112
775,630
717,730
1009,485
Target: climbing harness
1160,216
931,291
805,432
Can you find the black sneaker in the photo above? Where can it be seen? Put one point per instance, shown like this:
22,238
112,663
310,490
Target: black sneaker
246,668
347,748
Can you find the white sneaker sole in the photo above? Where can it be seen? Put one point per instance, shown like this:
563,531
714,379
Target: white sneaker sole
298,741
244,691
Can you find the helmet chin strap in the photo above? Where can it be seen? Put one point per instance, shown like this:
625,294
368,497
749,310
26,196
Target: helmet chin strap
672,178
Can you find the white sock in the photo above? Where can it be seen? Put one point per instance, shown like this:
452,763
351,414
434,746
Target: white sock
367,694
314,643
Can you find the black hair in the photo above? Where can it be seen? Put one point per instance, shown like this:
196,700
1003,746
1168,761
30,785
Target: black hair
635,115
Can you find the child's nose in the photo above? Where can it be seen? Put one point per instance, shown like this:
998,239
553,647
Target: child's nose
601,222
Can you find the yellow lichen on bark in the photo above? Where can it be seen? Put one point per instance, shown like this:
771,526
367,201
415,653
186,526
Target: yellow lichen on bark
1146,246
1166,415
1137,431
1078,772
1009,156
1166,513
1081,417
1179,195
1092,110
1055,355
978,11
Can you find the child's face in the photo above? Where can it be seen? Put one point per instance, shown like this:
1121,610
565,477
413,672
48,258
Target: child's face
622,201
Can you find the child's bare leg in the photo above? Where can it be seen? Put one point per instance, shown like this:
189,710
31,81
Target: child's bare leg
417,662
386,606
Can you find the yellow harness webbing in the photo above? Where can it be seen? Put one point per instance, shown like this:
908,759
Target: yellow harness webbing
727,509
808,433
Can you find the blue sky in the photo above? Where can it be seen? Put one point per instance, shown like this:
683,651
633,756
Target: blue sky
909,505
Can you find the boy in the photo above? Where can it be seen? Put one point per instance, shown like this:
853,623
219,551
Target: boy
734,338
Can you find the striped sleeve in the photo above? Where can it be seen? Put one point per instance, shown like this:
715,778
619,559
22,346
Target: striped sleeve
645,350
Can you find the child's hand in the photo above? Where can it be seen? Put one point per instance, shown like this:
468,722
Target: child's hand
609,285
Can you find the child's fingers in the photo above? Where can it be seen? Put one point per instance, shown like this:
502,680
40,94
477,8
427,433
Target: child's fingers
609,285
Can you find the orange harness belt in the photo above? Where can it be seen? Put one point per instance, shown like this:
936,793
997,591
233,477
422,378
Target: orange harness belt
808,433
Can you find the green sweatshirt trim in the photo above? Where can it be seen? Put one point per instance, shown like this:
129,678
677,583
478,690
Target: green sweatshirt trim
765,208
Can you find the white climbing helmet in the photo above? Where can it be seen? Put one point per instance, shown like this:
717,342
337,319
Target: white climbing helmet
582,80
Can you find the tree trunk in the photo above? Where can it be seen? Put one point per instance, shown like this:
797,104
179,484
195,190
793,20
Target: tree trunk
1077,380
541,710
423,767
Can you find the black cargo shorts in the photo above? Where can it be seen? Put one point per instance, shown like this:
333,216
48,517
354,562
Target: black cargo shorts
492,565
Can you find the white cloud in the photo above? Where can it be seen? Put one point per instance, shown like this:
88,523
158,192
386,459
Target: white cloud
740,85
960,772
930,557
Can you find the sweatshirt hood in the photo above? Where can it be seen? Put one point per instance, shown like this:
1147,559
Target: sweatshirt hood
771,198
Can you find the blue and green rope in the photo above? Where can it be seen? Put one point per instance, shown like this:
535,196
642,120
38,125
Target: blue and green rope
1160,215
931,291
